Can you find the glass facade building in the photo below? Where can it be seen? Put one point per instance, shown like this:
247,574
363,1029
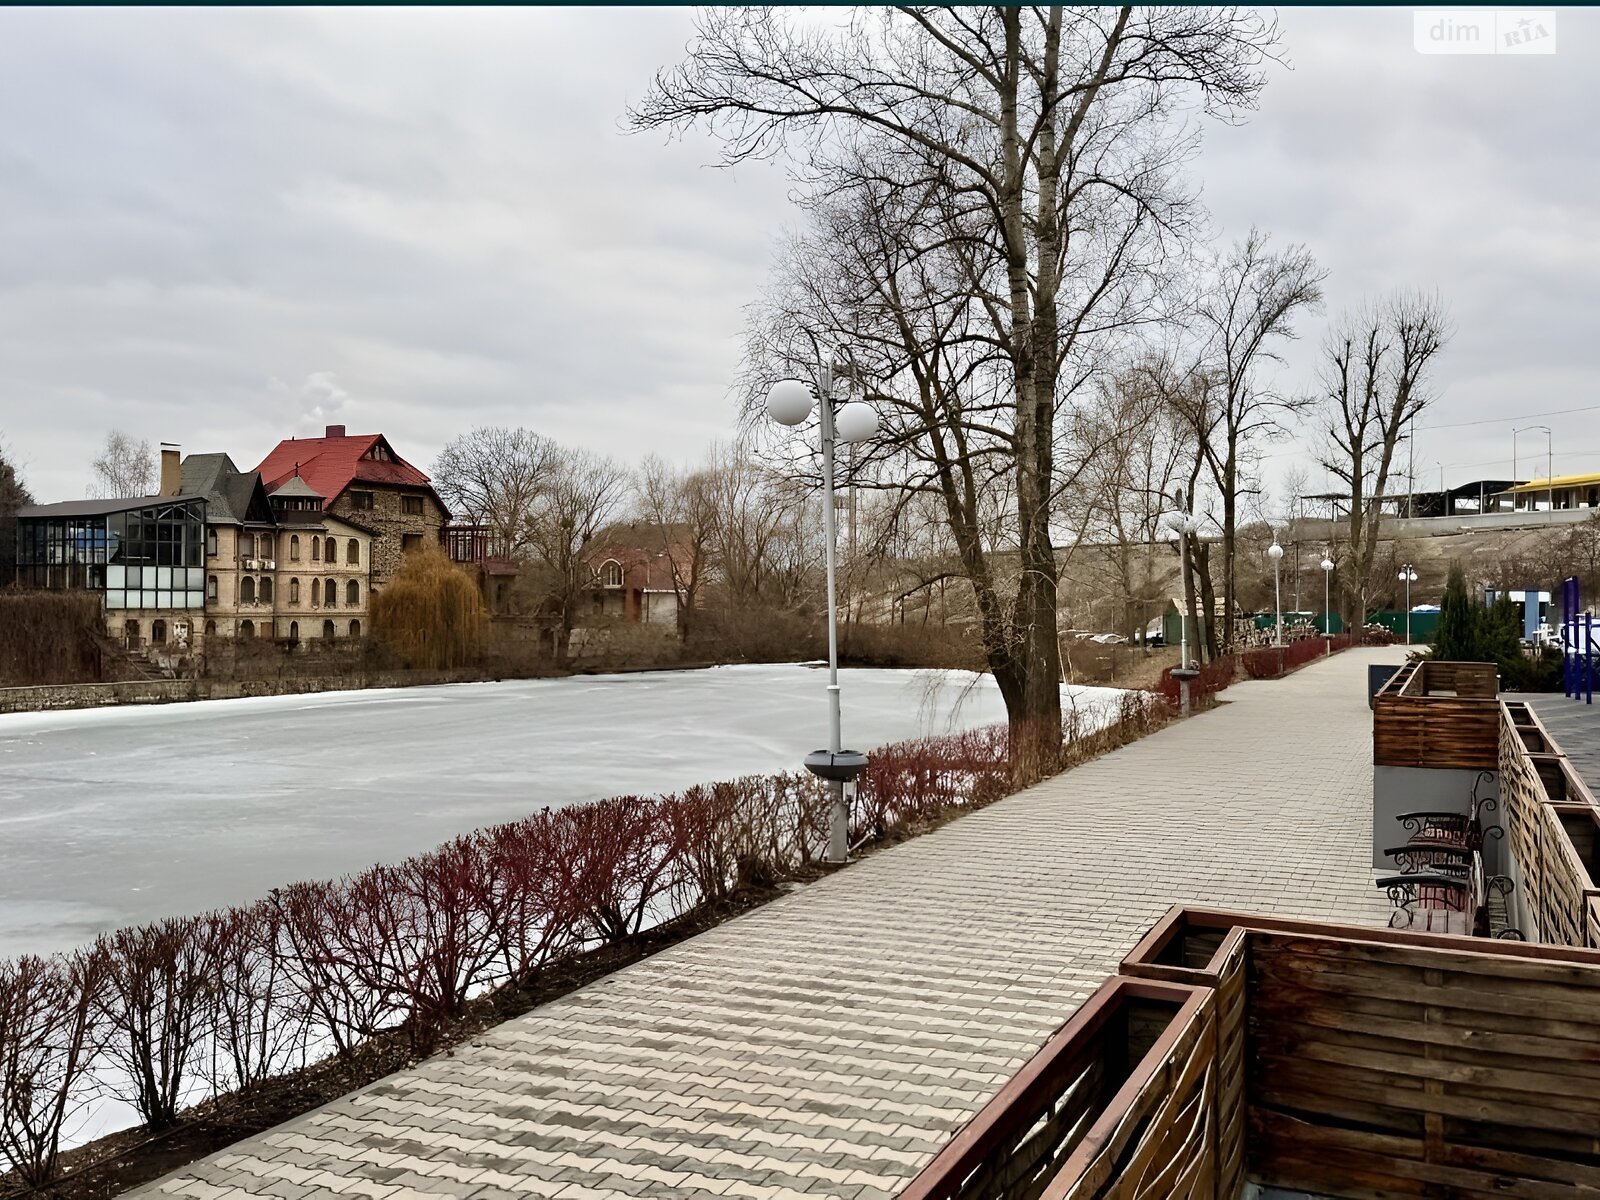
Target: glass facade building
142,553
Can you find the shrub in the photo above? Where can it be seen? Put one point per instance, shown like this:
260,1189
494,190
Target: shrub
50,637
1214,676
230,999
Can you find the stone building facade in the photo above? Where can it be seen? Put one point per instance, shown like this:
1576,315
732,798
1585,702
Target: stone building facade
364,482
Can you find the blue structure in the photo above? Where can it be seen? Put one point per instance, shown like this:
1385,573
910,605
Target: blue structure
1578,648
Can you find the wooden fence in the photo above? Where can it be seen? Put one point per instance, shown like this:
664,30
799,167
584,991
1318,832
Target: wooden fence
1342,1061
1553,821
1438,715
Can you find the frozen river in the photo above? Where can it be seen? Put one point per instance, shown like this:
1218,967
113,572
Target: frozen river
114,816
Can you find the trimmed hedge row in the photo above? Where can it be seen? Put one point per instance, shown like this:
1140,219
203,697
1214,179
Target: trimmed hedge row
168,1014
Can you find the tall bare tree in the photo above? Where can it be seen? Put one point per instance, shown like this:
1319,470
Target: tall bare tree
124,468
1245,311
1375,365
496,476
583,492
1032,151
680,508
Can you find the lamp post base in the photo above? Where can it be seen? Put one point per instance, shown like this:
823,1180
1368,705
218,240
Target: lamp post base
838,767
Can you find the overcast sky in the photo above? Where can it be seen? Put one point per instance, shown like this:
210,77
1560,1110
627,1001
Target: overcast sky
223,228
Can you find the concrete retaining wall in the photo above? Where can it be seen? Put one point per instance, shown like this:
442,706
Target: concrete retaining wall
167,691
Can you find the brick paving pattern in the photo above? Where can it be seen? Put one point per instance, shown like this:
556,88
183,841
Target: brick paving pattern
830,1043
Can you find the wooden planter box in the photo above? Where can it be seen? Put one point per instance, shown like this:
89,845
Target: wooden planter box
1441,715
1123,1091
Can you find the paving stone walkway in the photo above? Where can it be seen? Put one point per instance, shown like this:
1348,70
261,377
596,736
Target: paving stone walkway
829,1044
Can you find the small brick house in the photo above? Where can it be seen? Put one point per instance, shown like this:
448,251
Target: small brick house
363,480
639,569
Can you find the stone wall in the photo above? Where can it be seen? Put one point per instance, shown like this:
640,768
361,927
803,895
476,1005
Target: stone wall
168,691
388,516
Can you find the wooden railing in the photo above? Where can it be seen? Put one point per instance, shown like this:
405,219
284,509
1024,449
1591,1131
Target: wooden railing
1554,823
1437,714
1341,1061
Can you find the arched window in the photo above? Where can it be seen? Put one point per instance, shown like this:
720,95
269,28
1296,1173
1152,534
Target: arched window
211,629
211,588
352,594
158,631
355,628
330,593
327,630
611,573
247,629
316,549
247,590
294,547
211,541
130,634
294,631
266,590
330,551
352,552
294,591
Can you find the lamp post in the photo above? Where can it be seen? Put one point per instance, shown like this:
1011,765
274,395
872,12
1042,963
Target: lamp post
1408,577
1180,524
790,402
1549,461
1327,605
1275,553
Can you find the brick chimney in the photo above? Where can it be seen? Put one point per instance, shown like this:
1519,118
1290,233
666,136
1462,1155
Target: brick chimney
334,431
171,470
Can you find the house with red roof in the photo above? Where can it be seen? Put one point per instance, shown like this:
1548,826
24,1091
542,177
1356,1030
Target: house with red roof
362,479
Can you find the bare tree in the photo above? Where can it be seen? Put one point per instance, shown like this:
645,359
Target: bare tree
1374,383
583,492
1245,310
125,468
1034,146
496,475
679,506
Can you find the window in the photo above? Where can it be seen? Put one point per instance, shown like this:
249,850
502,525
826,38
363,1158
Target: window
352,594
294,591
330,551
327,629
247,590
352,552
266,591
211,543
211,629
130,634
316,549
294,547
247,629
294,631
410,542
378,453
611,573
211,588
411,505
158,632
362,500
355,628
330,593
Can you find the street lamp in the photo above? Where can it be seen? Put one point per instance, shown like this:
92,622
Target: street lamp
1180,525
1549,461
1275,553
1327,607
1408,577
789,402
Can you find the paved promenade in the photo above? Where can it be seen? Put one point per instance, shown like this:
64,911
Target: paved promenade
830,1043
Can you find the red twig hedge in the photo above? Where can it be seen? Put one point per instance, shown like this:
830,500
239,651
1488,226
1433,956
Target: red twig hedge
168,1014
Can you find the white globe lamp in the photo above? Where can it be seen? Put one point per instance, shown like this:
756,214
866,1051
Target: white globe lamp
1275,551
789,402
855,422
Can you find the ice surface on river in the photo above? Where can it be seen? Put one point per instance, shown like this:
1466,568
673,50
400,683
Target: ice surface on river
110,817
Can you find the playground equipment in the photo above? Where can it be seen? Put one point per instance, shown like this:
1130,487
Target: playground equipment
1580,654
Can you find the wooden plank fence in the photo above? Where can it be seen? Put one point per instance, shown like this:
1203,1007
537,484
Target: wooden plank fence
1438,715
1349,1063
